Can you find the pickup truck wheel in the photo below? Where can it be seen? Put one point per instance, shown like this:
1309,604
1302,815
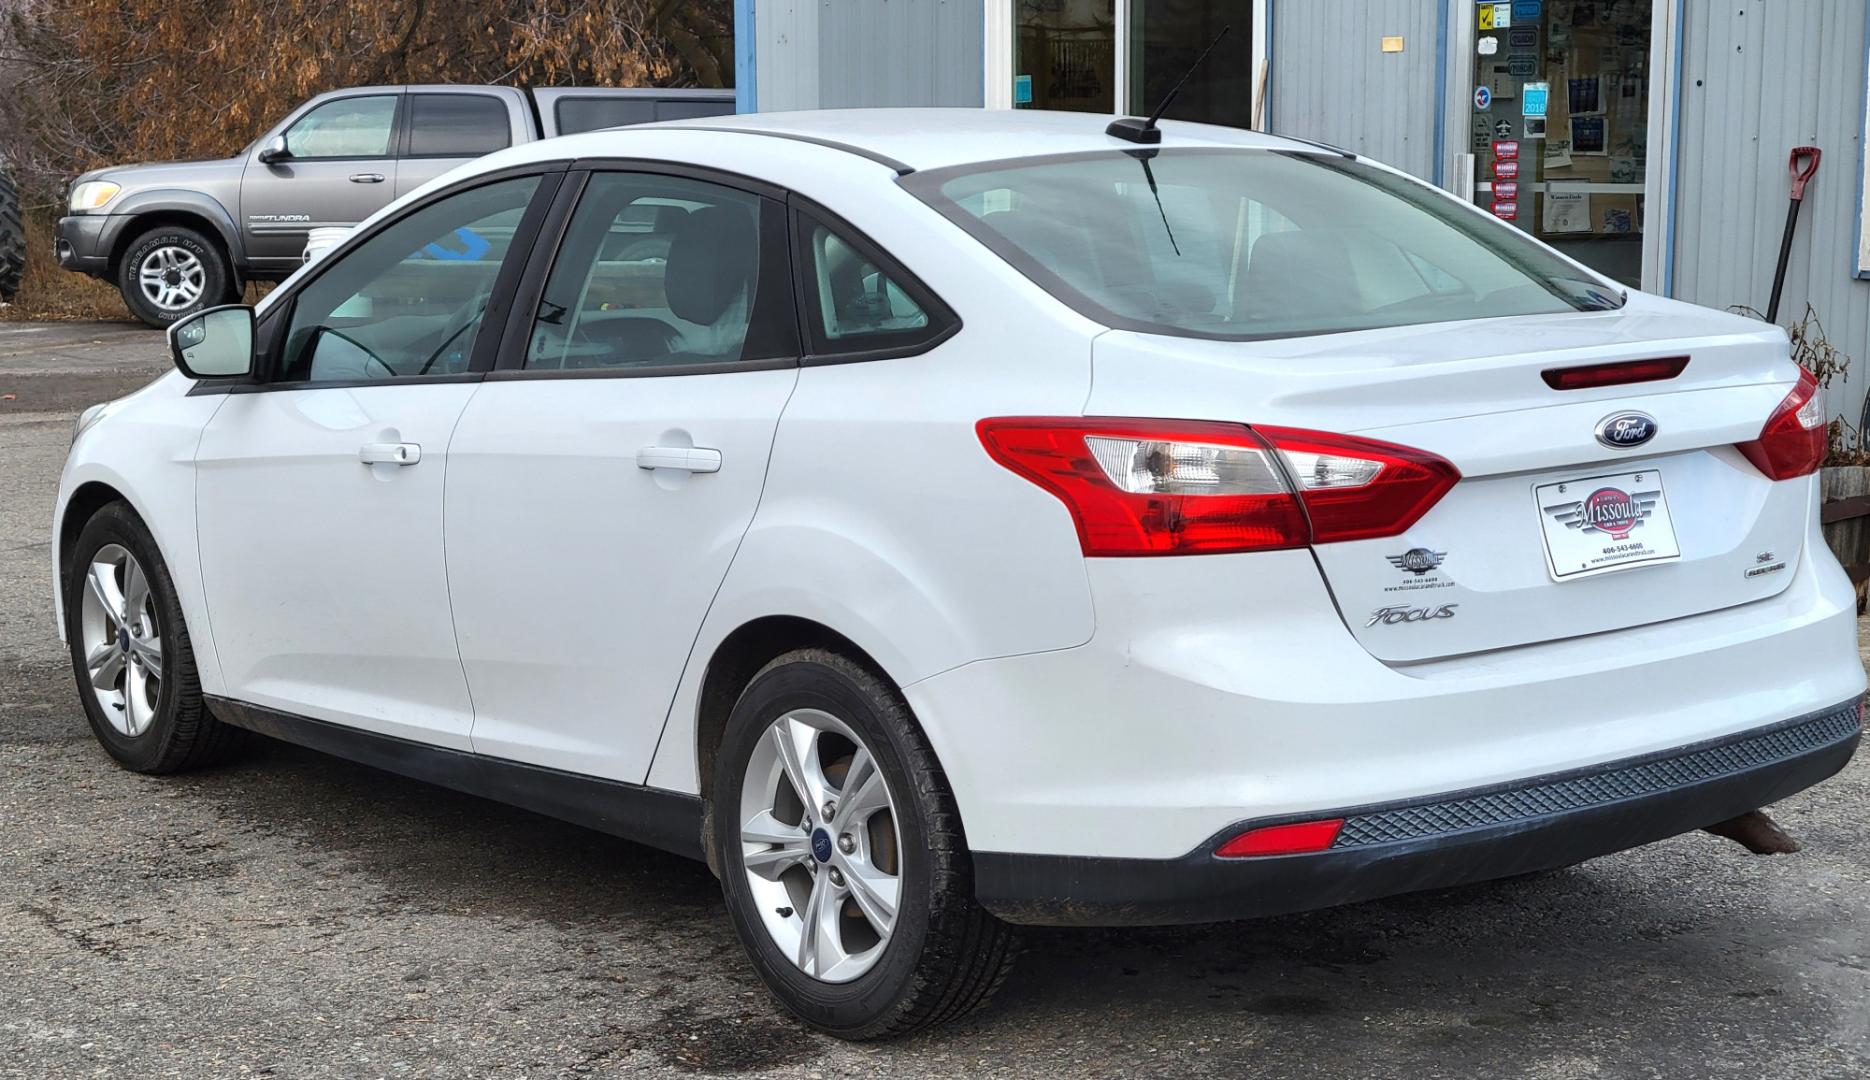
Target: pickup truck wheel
171,272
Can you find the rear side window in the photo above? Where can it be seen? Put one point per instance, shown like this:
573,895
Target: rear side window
661,272
457,125
1243,244
858,300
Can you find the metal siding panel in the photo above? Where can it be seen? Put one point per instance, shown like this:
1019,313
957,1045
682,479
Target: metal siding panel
899,52
1759,78
1331,83
786,66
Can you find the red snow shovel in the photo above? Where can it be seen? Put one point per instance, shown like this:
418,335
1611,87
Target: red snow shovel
1804,163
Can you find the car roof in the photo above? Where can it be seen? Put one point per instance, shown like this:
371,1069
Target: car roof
938,138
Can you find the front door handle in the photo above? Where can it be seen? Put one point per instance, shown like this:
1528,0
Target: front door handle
366,178
689,458
389,453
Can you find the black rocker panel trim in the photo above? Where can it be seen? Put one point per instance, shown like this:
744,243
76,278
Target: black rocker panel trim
667,820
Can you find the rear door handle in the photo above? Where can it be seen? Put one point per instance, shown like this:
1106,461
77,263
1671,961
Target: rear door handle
389,453
697,459
366,178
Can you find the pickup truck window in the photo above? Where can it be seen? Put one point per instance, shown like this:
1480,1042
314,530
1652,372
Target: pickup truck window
407,301
576,114
589,114
660,270
352,127
457,125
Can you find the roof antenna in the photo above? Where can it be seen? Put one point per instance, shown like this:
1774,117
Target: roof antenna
1130,129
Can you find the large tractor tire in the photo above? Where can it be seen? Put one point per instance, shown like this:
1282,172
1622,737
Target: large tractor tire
12,239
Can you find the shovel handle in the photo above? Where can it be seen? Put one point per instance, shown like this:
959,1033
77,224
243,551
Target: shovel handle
1804,164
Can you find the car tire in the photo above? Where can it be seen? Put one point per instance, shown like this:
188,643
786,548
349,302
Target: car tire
171,272
943,954
142,695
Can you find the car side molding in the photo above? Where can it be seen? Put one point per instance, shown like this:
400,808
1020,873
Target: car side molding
667,820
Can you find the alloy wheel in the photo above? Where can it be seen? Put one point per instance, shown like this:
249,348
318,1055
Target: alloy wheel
122,638
820,845
171,277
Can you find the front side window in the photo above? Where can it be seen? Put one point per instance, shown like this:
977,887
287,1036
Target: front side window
660,271
352,127
408,301
1241,244
457,125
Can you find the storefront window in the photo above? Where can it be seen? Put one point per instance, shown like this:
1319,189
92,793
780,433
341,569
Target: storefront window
1166,37
1065,55
1560,124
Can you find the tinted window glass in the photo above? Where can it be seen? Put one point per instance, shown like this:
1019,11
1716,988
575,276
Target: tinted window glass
854,297
457,125
1241,244
660,270
407,301
589,114
688,108
345,128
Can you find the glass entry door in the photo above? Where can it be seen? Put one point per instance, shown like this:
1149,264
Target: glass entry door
1065,55
1123,56
1559,124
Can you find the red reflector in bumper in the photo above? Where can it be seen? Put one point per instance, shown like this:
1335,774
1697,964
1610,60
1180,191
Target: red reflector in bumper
1294,839
1614,374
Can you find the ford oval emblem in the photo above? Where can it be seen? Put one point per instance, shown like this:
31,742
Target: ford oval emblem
1621,431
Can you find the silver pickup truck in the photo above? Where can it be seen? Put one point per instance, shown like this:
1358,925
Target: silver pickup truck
179,236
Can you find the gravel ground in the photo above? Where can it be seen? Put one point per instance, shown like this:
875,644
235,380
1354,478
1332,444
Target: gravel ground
296,916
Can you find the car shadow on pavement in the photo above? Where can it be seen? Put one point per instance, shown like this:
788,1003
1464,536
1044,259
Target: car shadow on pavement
1516,970
1680,948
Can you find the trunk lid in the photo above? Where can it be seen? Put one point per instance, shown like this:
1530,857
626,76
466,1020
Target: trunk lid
1703,527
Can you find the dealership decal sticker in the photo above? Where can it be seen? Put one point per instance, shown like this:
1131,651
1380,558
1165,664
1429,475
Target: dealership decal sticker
1419,567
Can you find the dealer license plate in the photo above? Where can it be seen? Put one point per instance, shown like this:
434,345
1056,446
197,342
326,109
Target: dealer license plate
1603,523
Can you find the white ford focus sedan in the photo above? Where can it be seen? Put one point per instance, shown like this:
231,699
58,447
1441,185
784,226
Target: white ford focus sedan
946,520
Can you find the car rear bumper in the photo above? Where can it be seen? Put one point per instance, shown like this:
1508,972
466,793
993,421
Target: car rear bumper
1226,688
1453,839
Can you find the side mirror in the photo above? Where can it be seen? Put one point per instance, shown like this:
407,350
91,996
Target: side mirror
274,150
214,344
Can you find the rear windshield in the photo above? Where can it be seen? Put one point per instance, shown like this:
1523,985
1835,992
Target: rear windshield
1243,244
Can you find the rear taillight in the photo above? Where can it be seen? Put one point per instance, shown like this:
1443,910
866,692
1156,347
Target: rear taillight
1794,439
1357,489
1186,487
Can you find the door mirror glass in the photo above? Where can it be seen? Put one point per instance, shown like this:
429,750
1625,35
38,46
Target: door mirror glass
274,150
214,344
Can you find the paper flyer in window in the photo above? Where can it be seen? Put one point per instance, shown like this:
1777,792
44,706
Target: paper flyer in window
1567,212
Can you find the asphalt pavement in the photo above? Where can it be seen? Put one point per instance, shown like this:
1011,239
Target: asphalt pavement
296,916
